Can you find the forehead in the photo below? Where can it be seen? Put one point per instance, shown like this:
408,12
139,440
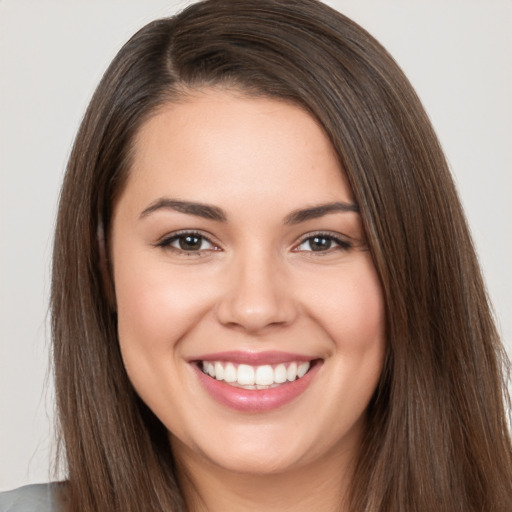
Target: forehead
222,145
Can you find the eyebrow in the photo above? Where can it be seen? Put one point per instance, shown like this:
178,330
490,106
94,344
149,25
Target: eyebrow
215,213
314,212
200,210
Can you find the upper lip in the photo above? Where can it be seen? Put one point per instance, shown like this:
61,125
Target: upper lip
253,358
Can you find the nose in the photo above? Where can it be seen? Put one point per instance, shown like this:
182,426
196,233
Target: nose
258,295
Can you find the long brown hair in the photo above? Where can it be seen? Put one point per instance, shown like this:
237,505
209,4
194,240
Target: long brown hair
437,436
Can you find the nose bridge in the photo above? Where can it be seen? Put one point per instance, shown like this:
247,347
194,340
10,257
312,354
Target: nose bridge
257,293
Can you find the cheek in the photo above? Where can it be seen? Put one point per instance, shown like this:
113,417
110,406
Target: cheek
145,308
353,315
351,308
156,304
360,316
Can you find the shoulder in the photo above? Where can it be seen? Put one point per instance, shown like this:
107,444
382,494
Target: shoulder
33,498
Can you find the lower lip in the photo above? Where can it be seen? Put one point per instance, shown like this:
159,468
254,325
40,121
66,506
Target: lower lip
256,400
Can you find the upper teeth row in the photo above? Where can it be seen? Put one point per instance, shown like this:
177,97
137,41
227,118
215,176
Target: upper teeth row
247,375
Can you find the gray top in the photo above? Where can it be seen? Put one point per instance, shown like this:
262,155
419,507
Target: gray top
31,498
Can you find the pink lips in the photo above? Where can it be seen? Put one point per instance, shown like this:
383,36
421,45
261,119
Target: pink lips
252,400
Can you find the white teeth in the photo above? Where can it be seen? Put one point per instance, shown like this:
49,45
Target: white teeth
302,370
219,371
230,373
291,373
264,375
280,374
245,375
255,377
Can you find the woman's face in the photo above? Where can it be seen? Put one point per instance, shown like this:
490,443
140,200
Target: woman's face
250,315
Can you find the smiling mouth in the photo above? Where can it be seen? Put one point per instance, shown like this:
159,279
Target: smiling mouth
251,377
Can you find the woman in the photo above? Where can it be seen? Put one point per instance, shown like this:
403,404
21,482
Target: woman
256,199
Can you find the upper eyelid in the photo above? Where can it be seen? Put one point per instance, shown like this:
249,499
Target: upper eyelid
170,237
332,234
337,237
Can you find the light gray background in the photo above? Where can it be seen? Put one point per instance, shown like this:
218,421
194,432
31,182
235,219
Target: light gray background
457,54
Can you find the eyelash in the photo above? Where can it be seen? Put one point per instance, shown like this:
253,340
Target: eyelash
342,245
166,242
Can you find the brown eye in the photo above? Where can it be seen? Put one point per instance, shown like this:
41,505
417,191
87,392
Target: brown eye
187,242
190,242
322,243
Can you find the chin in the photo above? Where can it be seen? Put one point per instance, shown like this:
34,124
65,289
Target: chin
256,450
256,461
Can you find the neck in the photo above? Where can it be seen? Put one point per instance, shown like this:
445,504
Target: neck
319,487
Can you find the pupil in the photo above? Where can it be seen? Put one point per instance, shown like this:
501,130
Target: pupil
319,243
190,243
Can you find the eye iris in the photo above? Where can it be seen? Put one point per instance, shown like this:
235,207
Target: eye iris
320,243
190,242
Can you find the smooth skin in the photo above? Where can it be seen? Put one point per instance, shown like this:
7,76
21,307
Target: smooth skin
247,279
